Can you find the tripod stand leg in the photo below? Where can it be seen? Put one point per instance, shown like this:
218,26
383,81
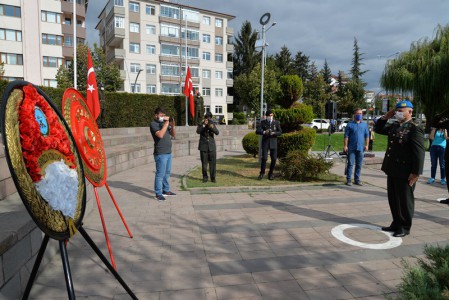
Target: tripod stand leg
37,263
118,210
66,266
105,261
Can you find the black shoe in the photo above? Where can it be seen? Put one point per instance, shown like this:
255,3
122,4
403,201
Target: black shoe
205,179
260,177
358,183
213,180
445,201
159,198
168,193
270,177
401,233
389,228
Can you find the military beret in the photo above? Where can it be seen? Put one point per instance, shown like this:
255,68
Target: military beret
403,104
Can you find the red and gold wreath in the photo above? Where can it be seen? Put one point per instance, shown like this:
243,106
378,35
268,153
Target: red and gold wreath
33,142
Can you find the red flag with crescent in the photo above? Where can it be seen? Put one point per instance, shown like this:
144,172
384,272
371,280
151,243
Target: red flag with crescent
92,98
188,91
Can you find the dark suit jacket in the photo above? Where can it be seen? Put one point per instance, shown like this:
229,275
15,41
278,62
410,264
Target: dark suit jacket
269,140
405,152
207,141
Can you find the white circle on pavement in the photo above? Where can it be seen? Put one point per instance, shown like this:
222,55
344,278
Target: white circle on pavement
338,232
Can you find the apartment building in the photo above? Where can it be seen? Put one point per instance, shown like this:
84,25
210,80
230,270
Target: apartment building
152,41
36,37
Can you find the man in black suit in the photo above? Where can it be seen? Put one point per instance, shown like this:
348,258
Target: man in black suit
208,151
270,129
403,163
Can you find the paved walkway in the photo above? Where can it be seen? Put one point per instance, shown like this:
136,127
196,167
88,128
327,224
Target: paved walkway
263,244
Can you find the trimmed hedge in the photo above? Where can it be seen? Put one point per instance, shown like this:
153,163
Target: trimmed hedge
250,143
292,118
302,140
299,166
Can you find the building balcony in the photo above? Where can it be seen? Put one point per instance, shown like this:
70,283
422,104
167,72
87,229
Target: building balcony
229,65
229,48
115,37
229,31
229,82
117,54
123,74
229,99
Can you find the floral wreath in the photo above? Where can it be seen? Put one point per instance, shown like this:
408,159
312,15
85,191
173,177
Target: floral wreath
33,142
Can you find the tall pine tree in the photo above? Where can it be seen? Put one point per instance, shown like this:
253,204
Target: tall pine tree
246,57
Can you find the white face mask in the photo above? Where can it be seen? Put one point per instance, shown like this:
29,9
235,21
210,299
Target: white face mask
161,119
399,115
270,119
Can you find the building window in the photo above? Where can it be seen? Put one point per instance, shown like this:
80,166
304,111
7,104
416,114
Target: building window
206,73
169,50
52,62
192,52
11,35
206,55
218,75
195,72
151,49
118,3
68,41
219,92
134,27
50,17
218,40
169,30
230,74
10,11
135,88
119,22
68,21
134,48
206,91
11,59
67,63
150,10
206,38
79,23
150,29
80,41
218,57
151,69
218,22
134,7
192,35
50,83
134,68
170,88
51,39
170,70
169,12
151,89
206,20
219,109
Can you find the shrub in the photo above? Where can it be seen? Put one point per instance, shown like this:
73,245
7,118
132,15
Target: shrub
299,166
302,140
250,143
292,118
429,279
239,118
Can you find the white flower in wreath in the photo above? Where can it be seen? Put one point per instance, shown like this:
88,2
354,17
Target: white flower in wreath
59,187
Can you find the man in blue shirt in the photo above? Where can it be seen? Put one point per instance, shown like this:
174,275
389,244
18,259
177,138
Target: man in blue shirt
356,142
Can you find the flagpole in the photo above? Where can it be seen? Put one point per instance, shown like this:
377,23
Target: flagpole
187,115
75,84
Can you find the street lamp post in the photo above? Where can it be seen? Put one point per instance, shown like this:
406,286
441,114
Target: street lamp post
135,81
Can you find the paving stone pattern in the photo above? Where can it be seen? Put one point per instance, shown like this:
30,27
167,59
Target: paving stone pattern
253,244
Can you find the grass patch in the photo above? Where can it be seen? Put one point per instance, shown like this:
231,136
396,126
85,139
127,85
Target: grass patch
336,140
243,170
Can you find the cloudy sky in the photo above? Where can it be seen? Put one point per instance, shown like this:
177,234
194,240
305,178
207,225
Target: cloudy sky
325,29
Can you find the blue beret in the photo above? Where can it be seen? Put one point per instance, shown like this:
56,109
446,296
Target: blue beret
404,103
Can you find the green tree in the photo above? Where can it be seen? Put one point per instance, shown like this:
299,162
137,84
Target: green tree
248,88
315,95
342,79
312,71
327,76
108,74
245,56
291,90
301,65
2,69
356,86
423,71
284,62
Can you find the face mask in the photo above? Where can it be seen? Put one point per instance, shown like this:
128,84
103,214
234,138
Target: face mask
358,117
270,119
399,115
161,119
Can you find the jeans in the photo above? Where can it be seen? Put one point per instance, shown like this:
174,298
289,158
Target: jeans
163,169
437,153
356,157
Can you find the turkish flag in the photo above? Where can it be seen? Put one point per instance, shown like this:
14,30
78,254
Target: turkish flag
92,99
188,91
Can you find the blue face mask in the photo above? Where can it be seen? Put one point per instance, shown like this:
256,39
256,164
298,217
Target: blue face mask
358,117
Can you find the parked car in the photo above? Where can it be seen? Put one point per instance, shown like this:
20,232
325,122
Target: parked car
318,124
343,125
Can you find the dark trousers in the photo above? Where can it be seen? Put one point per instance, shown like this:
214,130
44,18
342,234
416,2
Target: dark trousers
211,158
437,154
273,156
402,202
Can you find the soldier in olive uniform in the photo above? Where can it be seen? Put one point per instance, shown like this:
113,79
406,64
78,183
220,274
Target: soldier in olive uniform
269,129
403,163
208,151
